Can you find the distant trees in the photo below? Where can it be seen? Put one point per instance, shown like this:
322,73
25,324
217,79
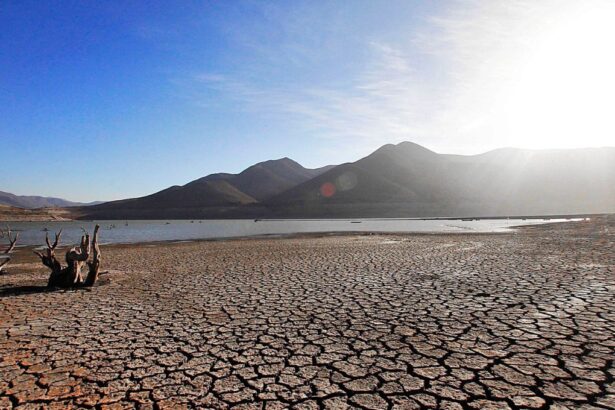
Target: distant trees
4,255
71,276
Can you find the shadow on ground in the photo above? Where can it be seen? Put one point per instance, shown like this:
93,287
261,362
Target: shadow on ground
9,290
14,290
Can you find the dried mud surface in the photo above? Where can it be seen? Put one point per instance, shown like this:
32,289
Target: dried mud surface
523,320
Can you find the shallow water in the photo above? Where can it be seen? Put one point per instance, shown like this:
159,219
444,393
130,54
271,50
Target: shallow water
33,233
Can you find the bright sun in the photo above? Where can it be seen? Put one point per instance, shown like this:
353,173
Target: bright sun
564,92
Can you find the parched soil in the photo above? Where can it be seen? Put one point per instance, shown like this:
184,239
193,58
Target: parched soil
523,320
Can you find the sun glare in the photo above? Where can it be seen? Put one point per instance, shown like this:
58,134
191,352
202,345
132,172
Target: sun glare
563,95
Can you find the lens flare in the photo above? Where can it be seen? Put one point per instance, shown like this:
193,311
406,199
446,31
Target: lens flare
327,190
346,181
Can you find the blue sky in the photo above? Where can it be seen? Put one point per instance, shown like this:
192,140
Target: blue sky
112,99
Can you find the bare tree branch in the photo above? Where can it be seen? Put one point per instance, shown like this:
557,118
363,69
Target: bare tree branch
70,276
12,243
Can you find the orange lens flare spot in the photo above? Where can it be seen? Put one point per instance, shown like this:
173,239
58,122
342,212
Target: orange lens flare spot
327,190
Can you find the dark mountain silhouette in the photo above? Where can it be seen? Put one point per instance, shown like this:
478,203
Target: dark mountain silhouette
403,180
32,202
216,194
381,177
199,193
409,180
269,178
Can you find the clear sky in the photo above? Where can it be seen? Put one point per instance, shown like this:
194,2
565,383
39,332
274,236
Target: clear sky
113,99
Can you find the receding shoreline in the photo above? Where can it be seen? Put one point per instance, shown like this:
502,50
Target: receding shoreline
33,233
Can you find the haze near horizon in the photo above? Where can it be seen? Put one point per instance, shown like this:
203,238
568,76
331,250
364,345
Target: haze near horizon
118,100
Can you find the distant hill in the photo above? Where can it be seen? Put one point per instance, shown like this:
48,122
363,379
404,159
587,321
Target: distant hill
410,180
269,178
216,194
403,180
32,202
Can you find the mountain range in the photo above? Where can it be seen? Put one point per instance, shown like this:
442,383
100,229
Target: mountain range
32,202
403,180
216,195
410,180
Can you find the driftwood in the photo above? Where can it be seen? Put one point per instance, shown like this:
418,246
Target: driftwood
4,255
71,276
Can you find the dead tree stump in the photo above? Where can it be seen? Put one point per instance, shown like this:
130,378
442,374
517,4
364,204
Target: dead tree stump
4,255
77,257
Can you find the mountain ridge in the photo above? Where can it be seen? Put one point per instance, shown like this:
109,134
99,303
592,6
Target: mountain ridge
424,183
218,191
402,180
36,201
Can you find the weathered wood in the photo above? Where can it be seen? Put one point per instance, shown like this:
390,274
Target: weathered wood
5,261
94,265
76,258
12,243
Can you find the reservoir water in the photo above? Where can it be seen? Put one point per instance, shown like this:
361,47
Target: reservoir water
33,233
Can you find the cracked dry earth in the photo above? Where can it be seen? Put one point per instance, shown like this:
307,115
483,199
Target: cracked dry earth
524,320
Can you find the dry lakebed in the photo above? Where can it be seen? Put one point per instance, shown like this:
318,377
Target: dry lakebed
524,319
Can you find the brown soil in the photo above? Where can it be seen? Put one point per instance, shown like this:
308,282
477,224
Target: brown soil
523,320
11,213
